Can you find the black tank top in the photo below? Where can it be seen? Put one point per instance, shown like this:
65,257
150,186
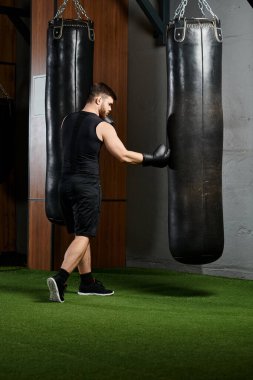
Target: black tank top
80,144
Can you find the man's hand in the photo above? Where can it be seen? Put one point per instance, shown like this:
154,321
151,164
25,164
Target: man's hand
159,158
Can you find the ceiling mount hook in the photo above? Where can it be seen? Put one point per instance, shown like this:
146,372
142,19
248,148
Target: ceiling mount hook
158,20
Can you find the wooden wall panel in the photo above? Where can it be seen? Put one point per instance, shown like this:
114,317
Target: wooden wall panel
110,66
39,244
7,79
42,12
109,246
40,229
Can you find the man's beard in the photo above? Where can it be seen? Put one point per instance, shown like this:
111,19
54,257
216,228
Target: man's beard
102,112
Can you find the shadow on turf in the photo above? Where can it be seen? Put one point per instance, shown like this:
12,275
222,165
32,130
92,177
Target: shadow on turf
41,295
173,291
167,290
37,294
134,282
168,285
140,282
156,290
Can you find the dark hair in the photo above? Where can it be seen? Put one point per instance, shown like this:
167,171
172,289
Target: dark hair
101,89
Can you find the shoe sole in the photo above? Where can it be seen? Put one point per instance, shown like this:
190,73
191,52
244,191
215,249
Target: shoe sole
95,294
54,295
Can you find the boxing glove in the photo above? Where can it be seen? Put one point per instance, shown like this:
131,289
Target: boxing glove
159,158
109,119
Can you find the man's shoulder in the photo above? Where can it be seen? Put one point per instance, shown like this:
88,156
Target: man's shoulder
82,115
90,115
71,115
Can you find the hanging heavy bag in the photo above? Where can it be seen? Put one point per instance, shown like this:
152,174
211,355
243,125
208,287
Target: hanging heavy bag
195,135
70,48
7,127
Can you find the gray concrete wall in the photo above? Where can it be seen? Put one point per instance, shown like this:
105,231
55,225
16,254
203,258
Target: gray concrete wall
147,236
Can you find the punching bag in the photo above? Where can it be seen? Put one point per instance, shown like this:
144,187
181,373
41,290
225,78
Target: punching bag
195,136
7,130
69,76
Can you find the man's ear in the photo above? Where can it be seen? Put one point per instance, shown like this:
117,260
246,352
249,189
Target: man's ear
98,100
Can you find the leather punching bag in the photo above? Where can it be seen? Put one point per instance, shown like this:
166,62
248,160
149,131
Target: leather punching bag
195,135
70,48
7,130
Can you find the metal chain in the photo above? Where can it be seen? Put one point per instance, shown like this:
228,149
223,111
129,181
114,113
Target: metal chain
3,93
201,7
205,3
79,9
61,9
180,11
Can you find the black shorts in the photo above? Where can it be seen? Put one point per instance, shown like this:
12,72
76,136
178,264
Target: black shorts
80,199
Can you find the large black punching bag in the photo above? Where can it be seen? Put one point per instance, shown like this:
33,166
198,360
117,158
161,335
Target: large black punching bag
195,135
7,131
70,48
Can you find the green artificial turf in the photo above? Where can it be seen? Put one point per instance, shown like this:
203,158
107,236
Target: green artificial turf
158,325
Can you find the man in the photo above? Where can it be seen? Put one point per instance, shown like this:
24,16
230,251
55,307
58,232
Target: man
83,133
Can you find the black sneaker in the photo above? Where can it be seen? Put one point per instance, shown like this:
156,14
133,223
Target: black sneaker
56,290
96,288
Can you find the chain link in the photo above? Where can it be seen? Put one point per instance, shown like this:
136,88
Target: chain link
201,7
78,7
80,10
61,9
205,3
180,11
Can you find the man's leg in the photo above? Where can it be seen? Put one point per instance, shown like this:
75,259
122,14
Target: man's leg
88,284
84,265
84,268
75,253
72,257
